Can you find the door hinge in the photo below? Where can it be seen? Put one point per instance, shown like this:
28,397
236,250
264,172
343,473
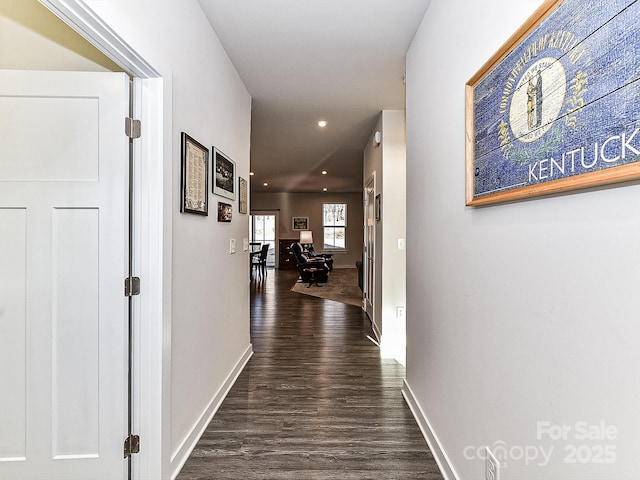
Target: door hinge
132,127
131,286
131,445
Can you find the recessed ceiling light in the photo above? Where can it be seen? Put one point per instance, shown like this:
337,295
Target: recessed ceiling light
324,189
324,172
265,184
322,123
251,174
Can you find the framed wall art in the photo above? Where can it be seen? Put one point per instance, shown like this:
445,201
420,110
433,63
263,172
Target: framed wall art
557,108
225,212
194,191
300,223
224,175
242,191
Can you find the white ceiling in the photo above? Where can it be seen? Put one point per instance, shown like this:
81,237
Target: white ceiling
302,61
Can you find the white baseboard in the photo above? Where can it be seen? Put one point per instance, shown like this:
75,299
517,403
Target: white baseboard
446,468
181,455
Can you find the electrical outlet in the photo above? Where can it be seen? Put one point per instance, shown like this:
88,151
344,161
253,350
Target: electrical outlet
492,467
400,313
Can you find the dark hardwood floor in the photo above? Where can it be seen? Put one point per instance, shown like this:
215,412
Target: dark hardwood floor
314,402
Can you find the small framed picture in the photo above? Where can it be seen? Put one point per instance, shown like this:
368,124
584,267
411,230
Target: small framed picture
225,212
224,175
378,207
194,191
242,188
300,223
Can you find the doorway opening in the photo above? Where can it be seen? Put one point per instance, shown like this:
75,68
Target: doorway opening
262,229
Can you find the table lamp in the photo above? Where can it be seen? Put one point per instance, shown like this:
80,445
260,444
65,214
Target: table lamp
306,237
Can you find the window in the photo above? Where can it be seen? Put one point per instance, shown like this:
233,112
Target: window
334,223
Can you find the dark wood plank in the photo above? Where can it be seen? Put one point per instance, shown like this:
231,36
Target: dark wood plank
314,402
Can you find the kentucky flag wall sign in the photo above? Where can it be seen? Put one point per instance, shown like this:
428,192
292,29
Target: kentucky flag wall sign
558,107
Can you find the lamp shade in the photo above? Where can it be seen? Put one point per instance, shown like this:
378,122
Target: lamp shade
306,236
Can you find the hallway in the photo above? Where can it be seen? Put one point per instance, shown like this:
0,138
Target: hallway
314,402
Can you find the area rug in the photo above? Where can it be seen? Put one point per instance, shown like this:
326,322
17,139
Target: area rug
341,287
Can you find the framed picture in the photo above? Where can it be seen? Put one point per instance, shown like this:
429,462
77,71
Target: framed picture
194,178
225,212
242,188
557,107
224,175
377,207
300,223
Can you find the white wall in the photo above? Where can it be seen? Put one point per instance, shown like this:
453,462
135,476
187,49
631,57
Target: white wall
209,315
388,161
394,224
519,313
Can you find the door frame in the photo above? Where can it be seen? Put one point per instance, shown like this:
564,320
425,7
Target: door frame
368,284
152,247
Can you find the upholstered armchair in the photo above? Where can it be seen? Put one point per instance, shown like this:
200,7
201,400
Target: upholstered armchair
328,258
312,270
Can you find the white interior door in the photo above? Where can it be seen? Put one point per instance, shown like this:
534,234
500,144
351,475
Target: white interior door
63,323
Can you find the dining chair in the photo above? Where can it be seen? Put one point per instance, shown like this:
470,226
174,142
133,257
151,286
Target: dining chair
260,261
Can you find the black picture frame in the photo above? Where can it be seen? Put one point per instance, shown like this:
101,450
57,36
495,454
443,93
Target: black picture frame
300,223
194,176
224,175
225,212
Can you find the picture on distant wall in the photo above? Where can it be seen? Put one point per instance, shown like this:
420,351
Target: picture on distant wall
557,108
224,175
300,223
225,212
